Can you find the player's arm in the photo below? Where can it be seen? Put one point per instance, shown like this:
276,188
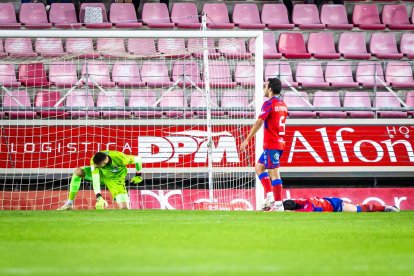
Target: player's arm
255,128
96,184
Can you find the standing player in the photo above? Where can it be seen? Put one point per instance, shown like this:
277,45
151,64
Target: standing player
109,168
273,116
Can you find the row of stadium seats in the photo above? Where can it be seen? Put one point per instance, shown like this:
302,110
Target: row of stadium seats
185,15
185,73
320,45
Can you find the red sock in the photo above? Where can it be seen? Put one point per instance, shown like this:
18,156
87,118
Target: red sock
277,192
265,180
372,208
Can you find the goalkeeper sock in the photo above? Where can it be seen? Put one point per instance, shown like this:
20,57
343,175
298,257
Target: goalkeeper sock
74,186
277,188
265,180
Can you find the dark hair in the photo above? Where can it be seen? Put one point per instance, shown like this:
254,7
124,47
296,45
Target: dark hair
290,204
99,158
275,85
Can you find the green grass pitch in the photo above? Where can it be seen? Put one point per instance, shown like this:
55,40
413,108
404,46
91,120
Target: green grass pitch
205,243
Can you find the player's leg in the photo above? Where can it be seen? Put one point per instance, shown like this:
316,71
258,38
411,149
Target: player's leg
119,193
266,182
376,208
348,207
74,186
273,164
123,201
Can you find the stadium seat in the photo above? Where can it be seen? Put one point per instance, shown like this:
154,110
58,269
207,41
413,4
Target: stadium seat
352,45
199,99
407,45
142,99
156,15
33,16
396,17
81,99
8,16
2,52
322,46
81,47
328,99
384,46
185,15
339,74
8,75
63,16
220,75
142,46
246,16
335,17
97,73
306,16
366,72
386,99
111,47
275,16
292,45
236,98
33,74
63,74
366,17
399,74
155,74
89,15
19,47
187,72
19,98
280,70
195,46
358,99
291,99
244,73
233,48
49,99
49,47
269,46
112,99
126,74
310,74
172,47
124,16
175,98
410,102
217,16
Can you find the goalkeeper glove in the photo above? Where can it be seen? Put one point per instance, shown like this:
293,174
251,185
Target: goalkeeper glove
137,178
100,202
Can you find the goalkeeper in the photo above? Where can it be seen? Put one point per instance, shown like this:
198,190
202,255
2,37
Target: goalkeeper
108,168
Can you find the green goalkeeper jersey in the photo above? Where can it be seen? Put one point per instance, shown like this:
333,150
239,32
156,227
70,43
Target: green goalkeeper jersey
117,170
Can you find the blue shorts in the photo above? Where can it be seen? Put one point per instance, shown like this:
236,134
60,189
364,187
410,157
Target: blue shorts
335,202
271,158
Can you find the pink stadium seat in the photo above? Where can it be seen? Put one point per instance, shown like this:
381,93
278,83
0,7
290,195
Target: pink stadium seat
8,75
49,99
292,45
246,16
19,47
123,15
63,74
185,15
8,16
280,70
358,99
126,74
366,17
112,99
306,16
63,16
233,48
21,99
396,17
97,73
2,52
217,16
156,15
365,74
310,74
82,47
407,45
322,46
155,74
111,47
291,99
352,45
81,99
94,23
49,47
172,47
175,98
269,46
236,99
142,46
195,46
384,46
199,99
399,74
220,75
33,74
144,99
188,73
410,102
328,99
386,99
33,16
339,74
275,16
244,73
335,17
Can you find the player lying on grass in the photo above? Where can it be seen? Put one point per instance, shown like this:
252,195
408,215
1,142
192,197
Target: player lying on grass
332,204
108,168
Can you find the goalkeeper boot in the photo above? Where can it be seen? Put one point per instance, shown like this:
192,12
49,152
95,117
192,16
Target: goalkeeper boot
66,206
277,207
267,204
391,209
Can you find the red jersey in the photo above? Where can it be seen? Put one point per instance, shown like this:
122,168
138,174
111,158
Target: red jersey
314,204
274,113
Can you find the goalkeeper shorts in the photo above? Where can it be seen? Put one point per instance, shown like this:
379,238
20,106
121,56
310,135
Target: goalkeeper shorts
115,186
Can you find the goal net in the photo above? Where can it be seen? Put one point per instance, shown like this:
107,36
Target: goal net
183,101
